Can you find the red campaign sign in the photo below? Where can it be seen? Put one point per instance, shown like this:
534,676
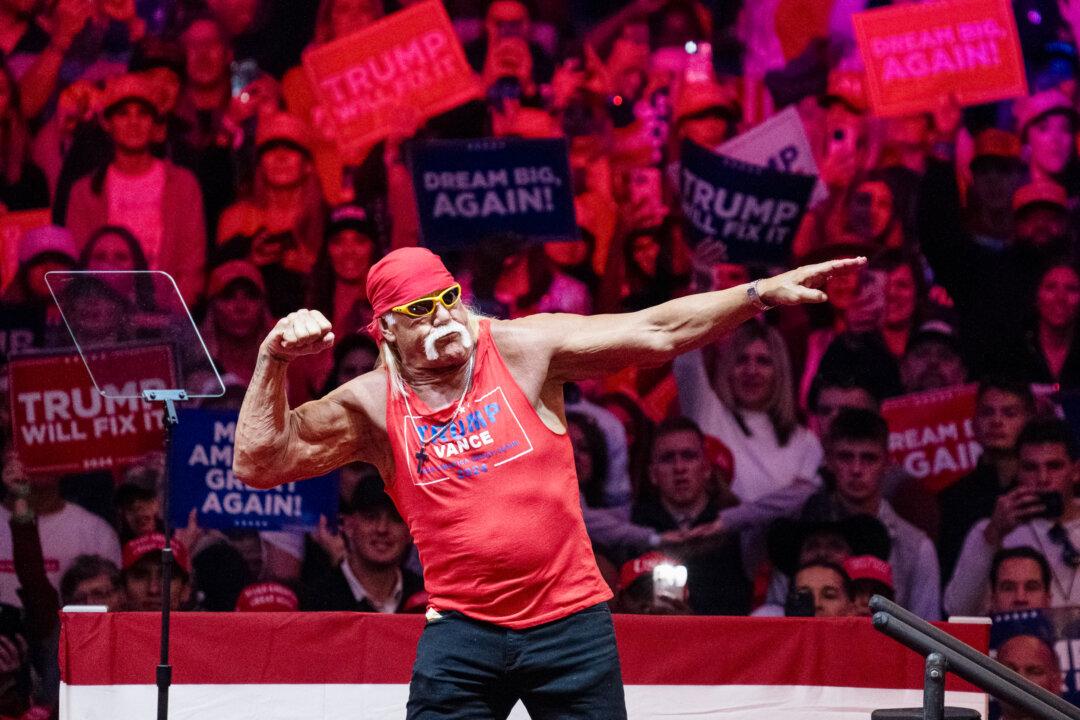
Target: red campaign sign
918,55
409,63
931,435
63,424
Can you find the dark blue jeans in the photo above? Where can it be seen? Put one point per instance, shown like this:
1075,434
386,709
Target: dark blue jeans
473,670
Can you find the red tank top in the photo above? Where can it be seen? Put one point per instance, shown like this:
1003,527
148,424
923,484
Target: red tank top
495,512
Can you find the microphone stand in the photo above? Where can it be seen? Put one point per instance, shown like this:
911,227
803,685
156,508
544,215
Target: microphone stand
163,675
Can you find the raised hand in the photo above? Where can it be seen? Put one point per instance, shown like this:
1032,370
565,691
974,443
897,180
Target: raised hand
567,80
1011,510
191,533
802,285
12,474
304,332
332,542
12,653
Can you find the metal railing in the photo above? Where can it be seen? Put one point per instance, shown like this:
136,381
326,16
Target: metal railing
944,653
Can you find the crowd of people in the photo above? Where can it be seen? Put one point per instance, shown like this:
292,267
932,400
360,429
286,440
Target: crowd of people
184,136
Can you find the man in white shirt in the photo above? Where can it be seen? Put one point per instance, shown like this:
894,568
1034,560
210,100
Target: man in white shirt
66,530
1040,512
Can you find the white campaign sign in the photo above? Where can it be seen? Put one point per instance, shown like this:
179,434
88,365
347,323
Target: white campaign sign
779,143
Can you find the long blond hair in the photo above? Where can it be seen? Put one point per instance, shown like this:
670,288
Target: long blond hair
781,406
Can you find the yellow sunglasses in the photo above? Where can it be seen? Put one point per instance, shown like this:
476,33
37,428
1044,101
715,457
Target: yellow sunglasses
422,307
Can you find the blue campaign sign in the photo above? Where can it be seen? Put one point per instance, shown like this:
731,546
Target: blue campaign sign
754,211
201,475
469,190
1015,638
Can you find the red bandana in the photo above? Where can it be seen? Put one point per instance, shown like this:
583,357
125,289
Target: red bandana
403,275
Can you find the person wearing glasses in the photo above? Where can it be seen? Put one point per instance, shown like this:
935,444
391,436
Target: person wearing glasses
1039,513
464,420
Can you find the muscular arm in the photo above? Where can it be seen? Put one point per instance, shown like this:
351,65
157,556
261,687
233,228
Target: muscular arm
581,346
276,444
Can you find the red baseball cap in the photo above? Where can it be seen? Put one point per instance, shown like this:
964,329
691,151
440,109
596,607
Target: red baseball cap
1035,107
230,271
869,567
267,597
1043,192
135,550
642,566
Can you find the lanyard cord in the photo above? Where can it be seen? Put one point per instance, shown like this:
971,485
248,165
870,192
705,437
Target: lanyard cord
1053,573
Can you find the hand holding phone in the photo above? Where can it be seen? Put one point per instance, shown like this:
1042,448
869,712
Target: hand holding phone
800,603
1012,510
1053,505
242,74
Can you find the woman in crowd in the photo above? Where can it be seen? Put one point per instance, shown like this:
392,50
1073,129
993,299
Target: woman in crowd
1053,355
905,294
113,248
237,318
338,280
286,197
745,398
40,251
1047,122
871,215
531,283
26,300
337,289
649,272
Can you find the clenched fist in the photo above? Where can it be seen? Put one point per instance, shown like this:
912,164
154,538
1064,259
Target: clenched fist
304,332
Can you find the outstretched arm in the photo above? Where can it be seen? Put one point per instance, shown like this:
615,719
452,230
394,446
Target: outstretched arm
583,346
275,444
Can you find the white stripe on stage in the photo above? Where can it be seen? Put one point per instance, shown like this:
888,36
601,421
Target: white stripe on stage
387,702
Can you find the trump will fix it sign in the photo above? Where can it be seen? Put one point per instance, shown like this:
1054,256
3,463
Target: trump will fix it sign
409,63
63,424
